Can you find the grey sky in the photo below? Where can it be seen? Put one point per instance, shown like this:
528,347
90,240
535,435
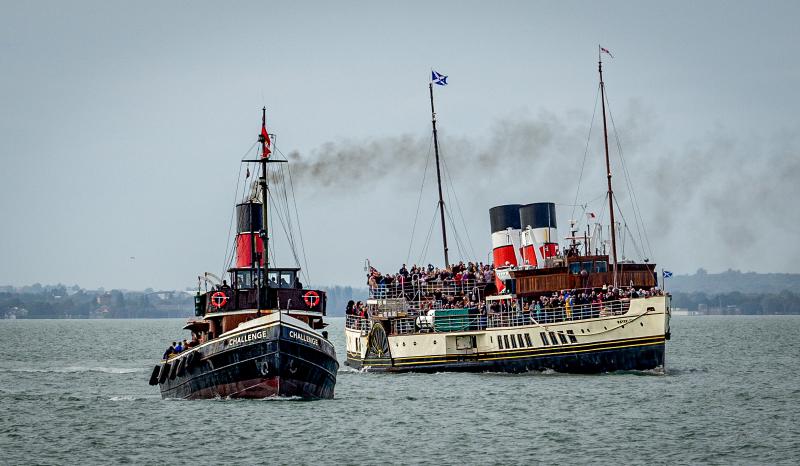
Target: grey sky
123,124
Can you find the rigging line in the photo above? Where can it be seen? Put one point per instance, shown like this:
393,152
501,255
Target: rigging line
290,222
289,229
625,222
638,218
459,244
282,205
419,200
425,245
233,212
629,183
306,270
458,206
283,225
282,211
245,197
450,190
586,151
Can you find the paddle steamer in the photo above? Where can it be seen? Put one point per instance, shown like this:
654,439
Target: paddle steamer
260,336
565,307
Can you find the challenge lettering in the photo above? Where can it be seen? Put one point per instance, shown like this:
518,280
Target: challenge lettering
304,337
240,339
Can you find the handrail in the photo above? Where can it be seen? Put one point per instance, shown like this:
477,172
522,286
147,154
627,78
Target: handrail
476,320
413,288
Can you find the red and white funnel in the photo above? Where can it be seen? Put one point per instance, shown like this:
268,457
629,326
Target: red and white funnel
539,231
505,237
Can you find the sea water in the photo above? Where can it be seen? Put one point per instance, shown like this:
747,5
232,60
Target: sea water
75,391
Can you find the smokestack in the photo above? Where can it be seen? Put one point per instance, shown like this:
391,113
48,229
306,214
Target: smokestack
539,227
505,236
248,223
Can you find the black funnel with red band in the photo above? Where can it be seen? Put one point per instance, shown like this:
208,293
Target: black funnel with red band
249,222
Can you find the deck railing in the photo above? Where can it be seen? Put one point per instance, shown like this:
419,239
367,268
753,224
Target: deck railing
473,320
415,289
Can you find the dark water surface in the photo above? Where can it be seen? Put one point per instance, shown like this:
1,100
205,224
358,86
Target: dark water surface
76,392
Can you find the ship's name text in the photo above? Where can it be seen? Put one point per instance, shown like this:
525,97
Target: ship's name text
240,339
304,337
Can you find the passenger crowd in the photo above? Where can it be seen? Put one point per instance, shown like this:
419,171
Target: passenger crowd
179,347
556,307
457,273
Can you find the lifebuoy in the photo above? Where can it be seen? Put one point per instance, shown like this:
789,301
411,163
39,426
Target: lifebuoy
219,299
311,298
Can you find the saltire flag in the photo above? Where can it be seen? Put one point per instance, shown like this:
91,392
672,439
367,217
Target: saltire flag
590,216
265,141
667,273
603,49
438,78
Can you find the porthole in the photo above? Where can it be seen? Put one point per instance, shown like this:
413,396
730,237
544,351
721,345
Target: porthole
404,343
605,328
641,323
415,343
434,342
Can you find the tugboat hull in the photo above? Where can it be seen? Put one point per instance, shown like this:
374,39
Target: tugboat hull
273,359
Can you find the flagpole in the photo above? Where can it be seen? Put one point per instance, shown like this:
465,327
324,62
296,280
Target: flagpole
438,176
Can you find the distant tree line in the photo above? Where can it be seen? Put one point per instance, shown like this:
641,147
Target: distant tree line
60,301
785,302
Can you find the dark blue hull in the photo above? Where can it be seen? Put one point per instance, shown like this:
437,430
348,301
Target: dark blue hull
274,360
641,354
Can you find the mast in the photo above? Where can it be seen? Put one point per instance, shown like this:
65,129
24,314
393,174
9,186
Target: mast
262,183
608,167
438,177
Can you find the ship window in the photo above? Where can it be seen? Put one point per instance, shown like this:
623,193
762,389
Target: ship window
587,266
519,340
571,336
288,279
575,268
500,341
272,278
528,339
513,341
601,266
244,279
562,338
505,338
544,338
553,338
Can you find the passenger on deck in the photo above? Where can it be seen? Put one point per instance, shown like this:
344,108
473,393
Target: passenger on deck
185,345
178,347
170,351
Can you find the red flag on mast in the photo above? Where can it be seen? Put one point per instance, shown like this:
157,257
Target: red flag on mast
264,136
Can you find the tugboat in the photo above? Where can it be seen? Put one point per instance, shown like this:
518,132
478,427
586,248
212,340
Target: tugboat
261,336
543,306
